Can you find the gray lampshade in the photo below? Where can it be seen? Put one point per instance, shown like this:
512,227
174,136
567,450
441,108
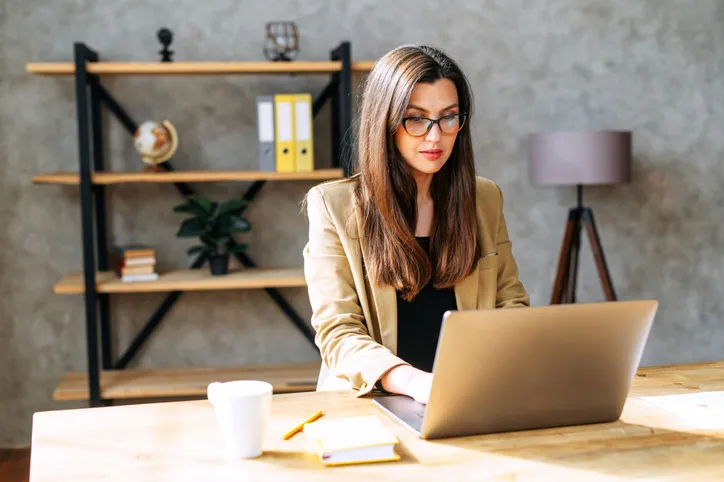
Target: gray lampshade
580,157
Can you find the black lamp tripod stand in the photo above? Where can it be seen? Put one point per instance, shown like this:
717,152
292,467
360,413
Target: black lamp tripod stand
564,287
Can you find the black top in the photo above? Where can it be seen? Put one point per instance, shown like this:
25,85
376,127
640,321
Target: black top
419,321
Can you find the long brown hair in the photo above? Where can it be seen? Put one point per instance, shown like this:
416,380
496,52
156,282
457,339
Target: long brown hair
387,192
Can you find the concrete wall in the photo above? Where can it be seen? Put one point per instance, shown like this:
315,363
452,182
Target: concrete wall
653,66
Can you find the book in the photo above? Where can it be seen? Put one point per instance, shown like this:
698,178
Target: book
134,250
139,277
141,261
118,263
356,440
124,270
134,262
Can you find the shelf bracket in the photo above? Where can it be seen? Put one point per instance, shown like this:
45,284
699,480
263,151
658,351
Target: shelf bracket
116,109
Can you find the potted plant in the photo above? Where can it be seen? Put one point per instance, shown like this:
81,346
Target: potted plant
214,224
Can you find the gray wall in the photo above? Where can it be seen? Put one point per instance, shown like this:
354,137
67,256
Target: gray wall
654,67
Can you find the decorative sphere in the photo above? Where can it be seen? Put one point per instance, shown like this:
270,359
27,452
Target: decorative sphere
152,140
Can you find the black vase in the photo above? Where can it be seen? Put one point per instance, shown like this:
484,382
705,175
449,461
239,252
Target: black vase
219,264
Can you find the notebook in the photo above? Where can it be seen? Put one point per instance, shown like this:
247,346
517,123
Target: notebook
704,410
355,440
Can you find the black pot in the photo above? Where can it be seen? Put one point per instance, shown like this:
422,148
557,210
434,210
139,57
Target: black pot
219,264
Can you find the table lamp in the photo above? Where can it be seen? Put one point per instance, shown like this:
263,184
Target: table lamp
578,158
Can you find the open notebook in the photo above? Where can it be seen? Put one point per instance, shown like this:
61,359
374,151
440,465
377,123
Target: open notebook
352,441
703,410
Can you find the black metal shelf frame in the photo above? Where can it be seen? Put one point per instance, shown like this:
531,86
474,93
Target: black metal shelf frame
90,96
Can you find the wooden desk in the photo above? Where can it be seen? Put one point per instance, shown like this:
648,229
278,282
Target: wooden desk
179,441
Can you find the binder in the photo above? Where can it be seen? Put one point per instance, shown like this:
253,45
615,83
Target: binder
284,120
265,132
303,133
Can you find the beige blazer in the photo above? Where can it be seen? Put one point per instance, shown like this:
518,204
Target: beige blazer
355,320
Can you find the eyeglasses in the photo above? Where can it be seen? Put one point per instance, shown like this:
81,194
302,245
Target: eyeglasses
419,126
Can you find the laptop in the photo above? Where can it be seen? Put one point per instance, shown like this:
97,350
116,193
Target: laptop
502,370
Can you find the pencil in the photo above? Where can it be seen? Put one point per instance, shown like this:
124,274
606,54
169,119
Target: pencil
299,427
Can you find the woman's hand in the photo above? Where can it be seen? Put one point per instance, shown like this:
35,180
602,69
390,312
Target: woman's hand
407,380
420,385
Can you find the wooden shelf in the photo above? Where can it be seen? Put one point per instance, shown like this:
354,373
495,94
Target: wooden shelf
187,280
363,66
73,178
185,382
196,68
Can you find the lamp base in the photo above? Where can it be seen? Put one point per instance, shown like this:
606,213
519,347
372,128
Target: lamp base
564,287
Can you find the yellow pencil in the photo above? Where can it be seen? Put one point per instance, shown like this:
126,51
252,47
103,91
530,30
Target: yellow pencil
299,427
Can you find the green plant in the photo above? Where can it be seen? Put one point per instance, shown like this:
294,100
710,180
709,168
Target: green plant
214,224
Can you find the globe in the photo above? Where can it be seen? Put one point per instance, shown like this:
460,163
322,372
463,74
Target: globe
155,141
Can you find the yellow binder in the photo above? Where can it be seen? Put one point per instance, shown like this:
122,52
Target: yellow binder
284,124
303,133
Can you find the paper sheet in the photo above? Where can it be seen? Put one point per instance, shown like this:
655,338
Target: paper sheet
704,410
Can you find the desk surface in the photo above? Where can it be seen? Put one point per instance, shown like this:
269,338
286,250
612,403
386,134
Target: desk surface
179,441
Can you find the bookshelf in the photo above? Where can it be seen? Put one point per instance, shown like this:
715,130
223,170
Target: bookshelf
108,377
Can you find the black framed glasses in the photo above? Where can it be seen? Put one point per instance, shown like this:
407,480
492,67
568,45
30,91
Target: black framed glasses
419,126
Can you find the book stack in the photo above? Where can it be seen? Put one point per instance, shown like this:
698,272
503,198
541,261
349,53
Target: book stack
134,262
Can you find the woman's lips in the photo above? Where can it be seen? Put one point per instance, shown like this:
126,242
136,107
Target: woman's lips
432,154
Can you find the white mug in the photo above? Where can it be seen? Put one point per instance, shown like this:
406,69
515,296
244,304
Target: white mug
242,410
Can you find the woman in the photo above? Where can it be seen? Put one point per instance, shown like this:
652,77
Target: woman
412,235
